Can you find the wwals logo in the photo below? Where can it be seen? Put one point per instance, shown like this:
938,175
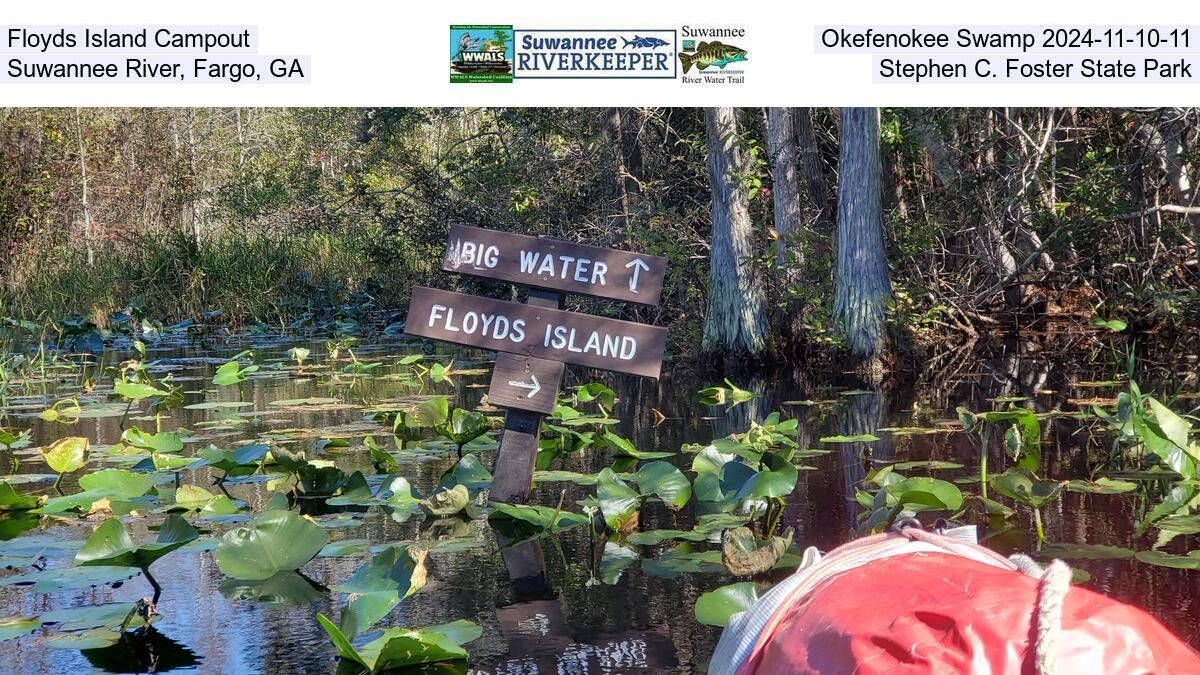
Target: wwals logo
481,53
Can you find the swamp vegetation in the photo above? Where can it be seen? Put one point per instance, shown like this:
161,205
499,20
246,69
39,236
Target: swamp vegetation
283,500
219,451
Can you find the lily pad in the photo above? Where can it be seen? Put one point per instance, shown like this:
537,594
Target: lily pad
402,647
375,588
275,541
858,438
1070,551
16,626
1179,562
110,545
123,483
67,454
716,607
664,481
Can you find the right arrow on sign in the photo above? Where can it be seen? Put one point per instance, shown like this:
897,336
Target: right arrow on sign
533,388
638,265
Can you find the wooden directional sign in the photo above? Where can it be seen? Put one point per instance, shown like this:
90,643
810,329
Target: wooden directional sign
525,382
526,330
555,264
533,340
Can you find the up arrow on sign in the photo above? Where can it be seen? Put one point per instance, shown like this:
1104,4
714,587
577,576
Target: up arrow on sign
555,265
637,264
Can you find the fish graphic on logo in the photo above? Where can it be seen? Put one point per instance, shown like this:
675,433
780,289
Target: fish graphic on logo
713,53
639,42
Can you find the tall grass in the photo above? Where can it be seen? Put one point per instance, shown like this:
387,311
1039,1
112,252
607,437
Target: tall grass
251,275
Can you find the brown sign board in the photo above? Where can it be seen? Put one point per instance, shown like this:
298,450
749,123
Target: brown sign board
527,330
555,264
525,382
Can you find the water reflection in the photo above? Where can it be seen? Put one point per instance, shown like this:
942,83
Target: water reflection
534,599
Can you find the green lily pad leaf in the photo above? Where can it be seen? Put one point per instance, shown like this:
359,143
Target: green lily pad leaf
11,500
301,402
93,638
912,431
926,494
468,471
569,476
67,454
110,544
164,441
655,537
136,390
732,395
716,607
1069,551
463,426
859,438
375,588
275,541
614,561
625,448
402,647
1174,427
232,372
1179,562
123,483
1181,524
618,501
16,626
214,405
740,482
541,518
163,462
1101,486
109,615
432,412
195,498
288,588
230,461
666,482
446,502
71,578
80,501
1025,488
927,465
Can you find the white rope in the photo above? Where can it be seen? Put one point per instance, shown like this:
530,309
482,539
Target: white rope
1053,587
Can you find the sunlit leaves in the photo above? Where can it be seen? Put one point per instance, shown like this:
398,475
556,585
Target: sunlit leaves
401,647
716,607
66,454
274,541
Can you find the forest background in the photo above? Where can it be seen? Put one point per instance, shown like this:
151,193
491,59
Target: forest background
881,234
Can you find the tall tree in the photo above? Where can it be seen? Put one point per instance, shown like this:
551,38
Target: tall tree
861,276
735,321
785,188
814,171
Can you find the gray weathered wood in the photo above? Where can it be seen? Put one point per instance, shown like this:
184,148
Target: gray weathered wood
735,321
861,276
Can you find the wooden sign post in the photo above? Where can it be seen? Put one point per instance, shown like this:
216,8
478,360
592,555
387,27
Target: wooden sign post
533,340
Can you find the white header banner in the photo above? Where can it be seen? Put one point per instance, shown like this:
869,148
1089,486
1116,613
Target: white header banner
263,52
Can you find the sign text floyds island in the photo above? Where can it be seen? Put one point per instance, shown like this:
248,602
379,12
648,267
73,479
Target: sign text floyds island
533,340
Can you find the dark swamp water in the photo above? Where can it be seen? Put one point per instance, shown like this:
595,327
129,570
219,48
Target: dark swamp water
617,612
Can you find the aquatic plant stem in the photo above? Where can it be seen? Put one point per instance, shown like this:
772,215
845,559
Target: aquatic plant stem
1037,521
153,583
983,469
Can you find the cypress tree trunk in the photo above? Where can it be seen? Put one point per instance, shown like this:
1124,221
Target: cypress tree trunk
814,172
861,276
735,321
785,190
